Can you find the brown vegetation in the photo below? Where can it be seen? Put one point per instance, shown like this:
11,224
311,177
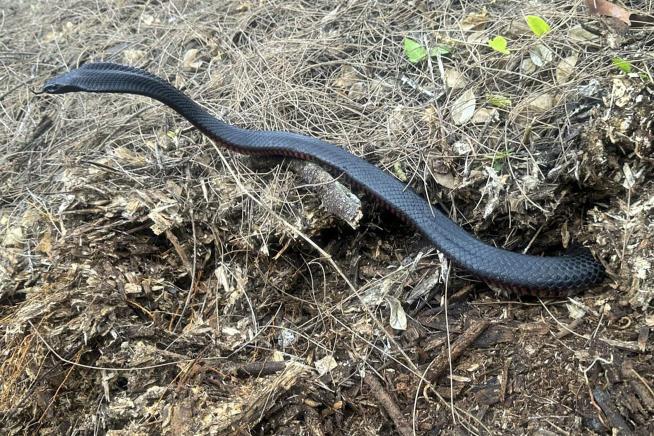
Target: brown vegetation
152,283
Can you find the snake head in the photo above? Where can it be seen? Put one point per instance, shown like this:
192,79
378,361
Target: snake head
62,84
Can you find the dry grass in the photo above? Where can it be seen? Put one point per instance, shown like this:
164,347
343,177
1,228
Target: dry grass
142,268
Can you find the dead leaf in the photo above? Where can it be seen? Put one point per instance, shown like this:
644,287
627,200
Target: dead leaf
527,66
462,147
348,76
485,115
541,55
565,68
575,311
519,27
477,37
541,103
243,6
629,177
358,91
475,20
325,365
565,235
133,288
190,61
132,57
460,378
494,186
398,119
430,116
398,317
446,179
149,20
14,237
286,338
454,79
608,9
582,36
127,156
463,108
67,29
45,244
620,95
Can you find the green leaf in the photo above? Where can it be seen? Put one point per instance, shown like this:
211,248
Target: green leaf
499,101
498,160
623,64
413,50
498,44
537,25
439,50
498,166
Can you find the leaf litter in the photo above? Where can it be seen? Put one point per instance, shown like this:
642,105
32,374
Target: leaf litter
142,290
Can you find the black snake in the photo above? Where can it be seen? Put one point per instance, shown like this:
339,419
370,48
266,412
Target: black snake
525,274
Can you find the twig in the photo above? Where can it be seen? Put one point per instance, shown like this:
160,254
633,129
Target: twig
401,424
337,199
504,381
260,369
441,363
569,328
180,250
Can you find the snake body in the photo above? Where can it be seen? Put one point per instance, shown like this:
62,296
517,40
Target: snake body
523,274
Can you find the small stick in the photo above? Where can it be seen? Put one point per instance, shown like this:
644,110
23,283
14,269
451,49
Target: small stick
504,382
402,425
260,369
440,363
335,197
569,328
180,250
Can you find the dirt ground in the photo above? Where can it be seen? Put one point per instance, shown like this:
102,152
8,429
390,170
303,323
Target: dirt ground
153,283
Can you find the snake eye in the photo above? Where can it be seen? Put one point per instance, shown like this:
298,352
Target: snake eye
50,88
